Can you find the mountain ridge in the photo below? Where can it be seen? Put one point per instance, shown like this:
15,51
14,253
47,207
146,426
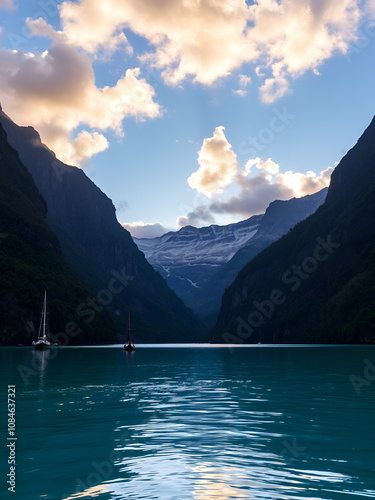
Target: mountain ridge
199,263
31,261
187,257
335,301
96,245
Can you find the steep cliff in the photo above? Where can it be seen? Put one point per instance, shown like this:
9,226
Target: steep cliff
31,261
99,249
278,219
316,284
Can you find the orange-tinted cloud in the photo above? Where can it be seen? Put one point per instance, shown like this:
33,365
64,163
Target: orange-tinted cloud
55,92
220,175
209,39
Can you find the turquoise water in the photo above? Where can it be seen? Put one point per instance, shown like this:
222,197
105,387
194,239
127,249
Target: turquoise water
203,423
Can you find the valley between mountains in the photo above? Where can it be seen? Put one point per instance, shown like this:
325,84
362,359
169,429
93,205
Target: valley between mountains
225,284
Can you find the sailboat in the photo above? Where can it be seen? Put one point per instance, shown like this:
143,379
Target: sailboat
42,341
129,346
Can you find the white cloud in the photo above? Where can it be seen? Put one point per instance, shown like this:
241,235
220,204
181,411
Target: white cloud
218,165
254,188
244,80
240,92
303,184
299,36
55,92
274,88
145,230
269,166
86,145
198,39
207,40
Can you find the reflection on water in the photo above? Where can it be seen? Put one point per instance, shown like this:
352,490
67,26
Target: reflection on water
203,424
89,493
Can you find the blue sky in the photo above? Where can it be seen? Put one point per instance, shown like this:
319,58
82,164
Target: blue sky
187,111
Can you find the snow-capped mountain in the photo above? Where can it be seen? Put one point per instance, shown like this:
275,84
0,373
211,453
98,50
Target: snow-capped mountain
279,218
199,263
188,257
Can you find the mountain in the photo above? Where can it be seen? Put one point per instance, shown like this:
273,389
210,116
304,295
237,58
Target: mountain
31,261
278,219
199,263
189,257
317,283
99,249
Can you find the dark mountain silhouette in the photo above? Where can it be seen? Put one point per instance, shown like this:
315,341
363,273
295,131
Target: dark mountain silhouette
278,219
99,249
317,283
31,261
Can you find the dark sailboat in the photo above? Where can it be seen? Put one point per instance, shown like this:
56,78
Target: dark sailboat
129,346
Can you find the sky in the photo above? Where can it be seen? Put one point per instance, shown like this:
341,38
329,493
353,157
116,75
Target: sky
192,111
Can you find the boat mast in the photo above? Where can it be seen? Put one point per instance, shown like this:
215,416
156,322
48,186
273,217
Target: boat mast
129,326
42,335
44,315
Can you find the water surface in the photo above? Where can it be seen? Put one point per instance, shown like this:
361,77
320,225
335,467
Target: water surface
203,423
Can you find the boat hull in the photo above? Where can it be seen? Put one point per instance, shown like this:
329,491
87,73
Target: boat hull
41,346
129,347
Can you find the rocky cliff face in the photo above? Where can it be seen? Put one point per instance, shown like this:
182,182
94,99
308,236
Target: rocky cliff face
316,284
31,261
99,248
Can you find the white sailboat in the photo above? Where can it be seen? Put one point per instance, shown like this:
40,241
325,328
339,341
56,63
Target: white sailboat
42,341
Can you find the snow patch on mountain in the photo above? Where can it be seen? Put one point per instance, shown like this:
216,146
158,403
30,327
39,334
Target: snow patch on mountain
212,245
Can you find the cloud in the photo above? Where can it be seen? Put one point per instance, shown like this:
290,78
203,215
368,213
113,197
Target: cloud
195,218
255,185
198,39
240,92
303,184
86,145
218,165
207,40
256,192
269,166
253,198
145,230
244,80
300,36
274,88
55,92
